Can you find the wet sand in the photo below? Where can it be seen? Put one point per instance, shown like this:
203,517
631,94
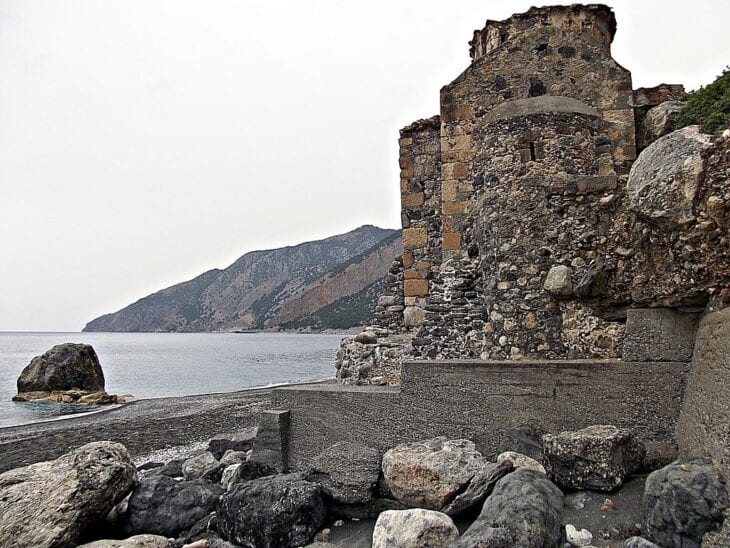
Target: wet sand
142,426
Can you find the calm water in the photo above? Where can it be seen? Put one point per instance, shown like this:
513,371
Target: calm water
151,365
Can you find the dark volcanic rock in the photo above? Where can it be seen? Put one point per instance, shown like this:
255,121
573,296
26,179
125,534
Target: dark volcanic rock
239,441
163,506
523,510
347,472
684,501
479,488
53,503
598,457
63,367
204,466
272,512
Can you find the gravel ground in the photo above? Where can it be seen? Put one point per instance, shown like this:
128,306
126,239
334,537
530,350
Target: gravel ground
143,426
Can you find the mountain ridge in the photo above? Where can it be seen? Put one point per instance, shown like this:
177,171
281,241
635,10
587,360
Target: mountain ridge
248,294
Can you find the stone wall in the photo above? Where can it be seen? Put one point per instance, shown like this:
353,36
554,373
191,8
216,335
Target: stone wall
485,402
704,424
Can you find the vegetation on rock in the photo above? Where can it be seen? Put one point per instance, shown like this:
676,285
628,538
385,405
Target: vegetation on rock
708,106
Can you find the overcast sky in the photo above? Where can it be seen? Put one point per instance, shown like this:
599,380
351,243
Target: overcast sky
144,142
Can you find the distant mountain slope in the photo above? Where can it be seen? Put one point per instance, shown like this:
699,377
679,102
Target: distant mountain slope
265,289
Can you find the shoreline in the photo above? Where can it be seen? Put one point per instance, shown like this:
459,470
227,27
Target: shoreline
143,426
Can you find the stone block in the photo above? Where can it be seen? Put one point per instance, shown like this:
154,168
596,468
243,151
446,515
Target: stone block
412,201
415,288
413,316
453,208
411,275
272,440
452,241
450,191
415,238
455,170
659,334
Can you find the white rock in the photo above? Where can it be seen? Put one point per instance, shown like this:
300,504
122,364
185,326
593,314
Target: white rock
558,280
578,538
519,460
228,475
414,528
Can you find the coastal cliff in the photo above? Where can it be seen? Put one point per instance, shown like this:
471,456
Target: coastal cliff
330,283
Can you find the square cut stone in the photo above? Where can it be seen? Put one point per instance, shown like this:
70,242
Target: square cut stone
415,288
659,335
414,238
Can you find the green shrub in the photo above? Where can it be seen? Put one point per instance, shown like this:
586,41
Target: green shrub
708,106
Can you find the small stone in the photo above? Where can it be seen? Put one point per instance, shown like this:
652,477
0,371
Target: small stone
366,337
578,538
338,523
607,505
558,281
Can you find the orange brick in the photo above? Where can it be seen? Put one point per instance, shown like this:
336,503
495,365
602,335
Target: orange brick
411,275
407,258
452,241
449,191
414,238
413,200
452,208
423,265
415,288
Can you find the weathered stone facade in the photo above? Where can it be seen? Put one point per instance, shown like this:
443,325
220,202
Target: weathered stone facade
526,232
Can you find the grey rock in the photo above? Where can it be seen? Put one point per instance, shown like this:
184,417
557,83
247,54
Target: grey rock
233,457
203,466
657,122
64,367
638,542
518,460
414,529
238,441
599,457
558,281
479,487
272,512
229,475
137,541
347,472
366,337
665,178
368,510
719,538
53,503
683,501
173,469
428,474
523,510
163,506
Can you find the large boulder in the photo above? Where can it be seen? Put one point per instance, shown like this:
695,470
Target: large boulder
137,541
666,176
599,457
478,488
53,503
163,506
64,367
683,501
414,529
346,472
237,441
428,474
659,121
203,466
272,512
523,510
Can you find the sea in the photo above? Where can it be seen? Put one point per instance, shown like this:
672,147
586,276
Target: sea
154,365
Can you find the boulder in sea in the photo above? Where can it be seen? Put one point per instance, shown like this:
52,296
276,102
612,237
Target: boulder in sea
428,474
347,472
523,510
53,503
162,506
599,457
413,529
64,367
272,512
683,501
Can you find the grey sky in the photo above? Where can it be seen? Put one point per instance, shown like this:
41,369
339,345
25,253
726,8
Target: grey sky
144,142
